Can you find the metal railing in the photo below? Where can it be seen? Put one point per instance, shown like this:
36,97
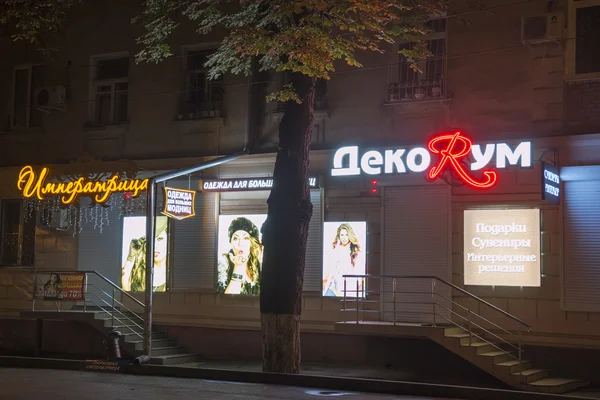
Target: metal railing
103,295
430,297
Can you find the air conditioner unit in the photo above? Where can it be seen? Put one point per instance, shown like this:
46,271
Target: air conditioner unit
50,98
542,28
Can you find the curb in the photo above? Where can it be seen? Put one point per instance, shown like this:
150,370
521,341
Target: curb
347,384
308,381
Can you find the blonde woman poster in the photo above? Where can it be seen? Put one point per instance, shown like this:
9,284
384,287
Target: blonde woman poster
344,253
240,254
134,254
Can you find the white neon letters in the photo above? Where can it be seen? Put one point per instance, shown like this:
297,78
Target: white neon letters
346,160
370,161
338,161
522,152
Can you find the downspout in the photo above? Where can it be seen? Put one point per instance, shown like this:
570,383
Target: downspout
151,214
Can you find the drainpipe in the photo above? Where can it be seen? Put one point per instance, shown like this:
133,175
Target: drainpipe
150,229
151,214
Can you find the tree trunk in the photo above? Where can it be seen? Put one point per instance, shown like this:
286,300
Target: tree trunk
284,235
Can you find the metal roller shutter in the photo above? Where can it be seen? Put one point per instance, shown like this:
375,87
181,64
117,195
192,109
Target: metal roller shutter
314,247
101,251
581,269
417,241
194,244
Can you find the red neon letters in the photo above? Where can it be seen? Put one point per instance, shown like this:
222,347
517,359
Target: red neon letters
452,154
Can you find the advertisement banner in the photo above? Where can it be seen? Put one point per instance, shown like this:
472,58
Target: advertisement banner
502,247
550,184
246,184
240,253
133,261
344,253
64,286
179,203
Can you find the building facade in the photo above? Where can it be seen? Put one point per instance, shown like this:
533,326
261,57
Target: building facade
505,75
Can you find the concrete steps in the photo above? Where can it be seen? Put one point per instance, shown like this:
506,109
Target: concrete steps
165,350
504,364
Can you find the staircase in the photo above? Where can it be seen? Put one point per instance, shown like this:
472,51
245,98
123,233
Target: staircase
463,328
108,308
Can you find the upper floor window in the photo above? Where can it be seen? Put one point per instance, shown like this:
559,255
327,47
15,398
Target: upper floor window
583,58
321,103
17,234
201,97
110,88
429,82
25,80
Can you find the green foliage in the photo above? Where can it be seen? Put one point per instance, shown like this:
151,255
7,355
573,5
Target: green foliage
28,19
302,36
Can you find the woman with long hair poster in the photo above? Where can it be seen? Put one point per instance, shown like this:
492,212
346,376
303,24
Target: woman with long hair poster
134,267
343,256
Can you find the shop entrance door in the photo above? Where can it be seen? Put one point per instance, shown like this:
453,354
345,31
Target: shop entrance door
417,234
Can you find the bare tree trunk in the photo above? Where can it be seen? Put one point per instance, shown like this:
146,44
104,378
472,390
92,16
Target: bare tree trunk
284,235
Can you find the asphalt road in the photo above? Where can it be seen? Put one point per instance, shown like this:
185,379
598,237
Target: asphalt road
25,384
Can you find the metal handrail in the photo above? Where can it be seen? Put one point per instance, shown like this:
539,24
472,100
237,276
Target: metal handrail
113,316
117,301
522,323
47,271
477,315
116,309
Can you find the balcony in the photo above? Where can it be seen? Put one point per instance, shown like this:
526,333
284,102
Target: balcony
416,91
193,110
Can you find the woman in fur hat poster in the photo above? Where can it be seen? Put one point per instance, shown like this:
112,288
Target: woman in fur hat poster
239,268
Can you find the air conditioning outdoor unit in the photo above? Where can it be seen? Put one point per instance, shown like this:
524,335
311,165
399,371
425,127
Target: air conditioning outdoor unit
542,28
50,98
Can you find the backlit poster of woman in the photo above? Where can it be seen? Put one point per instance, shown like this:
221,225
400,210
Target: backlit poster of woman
344,253
240,254
134,254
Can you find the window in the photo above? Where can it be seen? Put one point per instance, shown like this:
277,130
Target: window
583,58
17,234
201,97
111,91
26,80
321,103
430,83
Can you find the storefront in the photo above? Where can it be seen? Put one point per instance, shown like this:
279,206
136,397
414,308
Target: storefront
491,218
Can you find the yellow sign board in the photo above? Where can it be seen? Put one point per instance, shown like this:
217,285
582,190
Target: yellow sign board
34,185
179,203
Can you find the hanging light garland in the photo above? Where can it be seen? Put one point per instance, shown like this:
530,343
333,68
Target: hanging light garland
76,218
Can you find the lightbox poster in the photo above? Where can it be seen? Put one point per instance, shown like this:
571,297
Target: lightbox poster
240,253
133,254
344,253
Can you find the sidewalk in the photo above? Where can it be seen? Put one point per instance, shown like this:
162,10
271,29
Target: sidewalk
317,376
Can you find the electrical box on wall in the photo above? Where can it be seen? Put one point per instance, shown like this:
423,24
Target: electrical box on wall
542,28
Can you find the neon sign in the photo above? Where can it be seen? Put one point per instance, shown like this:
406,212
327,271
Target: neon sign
452,148
34,185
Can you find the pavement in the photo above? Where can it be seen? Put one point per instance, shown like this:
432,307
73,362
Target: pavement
25,384
217,379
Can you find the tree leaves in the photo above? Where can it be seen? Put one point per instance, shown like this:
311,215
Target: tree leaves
303,36
28,19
